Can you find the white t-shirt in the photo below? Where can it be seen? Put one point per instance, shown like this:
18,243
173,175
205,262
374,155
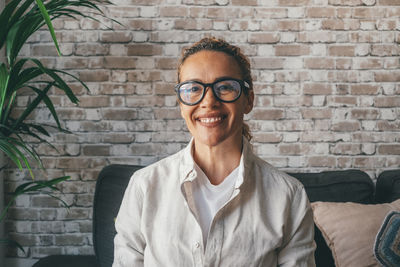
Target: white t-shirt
209,198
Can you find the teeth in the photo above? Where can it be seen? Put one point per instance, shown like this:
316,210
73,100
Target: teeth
210,120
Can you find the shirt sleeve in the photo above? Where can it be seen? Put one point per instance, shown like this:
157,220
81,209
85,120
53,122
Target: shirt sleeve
299,246
129,242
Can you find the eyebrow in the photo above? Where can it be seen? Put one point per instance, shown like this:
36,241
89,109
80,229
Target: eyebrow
216,80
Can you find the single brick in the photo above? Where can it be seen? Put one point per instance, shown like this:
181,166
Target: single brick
116,37
367,63
292,50
317,88
345,2
365,114
267,63
364,89
319,63
96,150
119,114
321,161
144,50
320,12
321,113
385,50
346,149
345,126
264,38
91,49
267,114
387,101
245,2
111,62
341,50
369,12
94,75
94,101
389,149
387,76
294,2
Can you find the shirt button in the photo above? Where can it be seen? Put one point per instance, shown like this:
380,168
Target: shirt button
197,245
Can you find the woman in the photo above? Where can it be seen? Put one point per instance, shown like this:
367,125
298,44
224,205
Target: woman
214,203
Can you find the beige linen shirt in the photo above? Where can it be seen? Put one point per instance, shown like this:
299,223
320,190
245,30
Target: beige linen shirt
266,222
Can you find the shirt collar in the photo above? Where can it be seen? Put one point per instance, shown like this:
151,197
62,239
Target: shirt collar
187,166
187,170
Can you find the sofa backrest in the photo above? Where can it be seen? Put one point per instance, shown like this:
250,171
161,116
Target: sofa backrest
110,188
388,186
338,186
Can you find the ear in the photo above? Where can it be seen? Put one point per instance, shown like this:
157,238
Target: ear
249,102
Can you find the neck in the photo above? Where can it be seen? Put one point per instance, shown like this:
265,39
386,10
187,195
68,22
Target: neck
217,162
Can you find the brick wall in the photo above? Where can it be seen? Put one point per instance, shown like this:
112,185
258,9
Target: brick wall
326,76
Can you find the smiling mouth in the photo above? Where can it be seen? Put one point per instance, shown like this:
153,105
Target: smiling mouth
211,121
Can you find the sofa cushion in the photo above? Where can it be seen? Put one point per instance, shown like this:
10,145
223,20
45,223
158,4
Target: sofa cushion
386,248
388,186
350,229
110,189
335,186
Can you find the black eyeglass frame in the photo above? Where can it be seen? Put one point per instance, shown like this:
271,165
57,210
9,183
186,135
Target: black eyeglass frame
242,83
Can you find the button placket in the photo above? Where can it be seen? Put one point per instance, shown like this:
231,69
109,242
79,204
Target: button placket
197,254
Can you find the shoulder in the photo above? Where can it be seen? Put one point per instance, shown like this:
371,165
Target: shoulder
270,176
158,173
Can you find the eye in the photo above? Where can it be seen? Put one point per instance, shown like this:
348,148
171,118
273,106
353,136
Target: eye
191,88
227,87
194,89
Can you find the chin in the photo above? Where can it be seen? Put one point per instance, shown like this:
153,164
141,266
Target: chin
212,139
209,141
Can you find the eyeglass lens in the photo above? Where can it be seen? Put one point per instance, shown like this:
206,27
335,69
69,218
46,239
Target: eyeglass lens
227,90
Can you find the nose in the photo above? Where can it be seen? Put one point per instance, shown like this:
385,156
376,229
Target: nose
209,99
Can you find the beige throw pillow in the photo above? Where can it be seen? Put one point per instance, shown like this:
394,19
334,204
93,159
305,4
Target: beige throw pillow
350,229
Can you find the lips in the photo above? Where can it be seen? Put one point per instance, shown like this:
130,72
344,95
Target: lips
211,119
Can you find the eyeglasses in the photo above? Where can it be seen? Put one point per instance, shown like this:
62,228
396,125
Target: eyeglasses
225,90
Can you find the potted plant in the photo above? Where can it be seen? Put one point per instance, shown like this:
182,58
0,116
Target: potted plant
19,20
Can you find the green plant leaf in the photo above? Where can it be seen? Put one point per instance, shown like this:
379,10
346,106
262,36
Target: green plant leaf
12,243
59,82
8,107
9,150
47,19
41,94
12,148
19,20
59,199
34,186
51,108
5,17
4,77
38,128
22,9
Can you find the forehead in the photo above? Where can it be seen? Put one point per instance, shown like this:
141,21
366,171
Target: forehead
208,66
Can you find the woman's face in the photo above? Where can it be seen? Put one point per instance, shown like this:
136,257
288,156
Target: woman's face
212,122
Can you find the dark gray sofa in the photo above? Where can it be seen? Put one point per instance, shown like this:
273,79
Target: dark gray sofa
336,186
